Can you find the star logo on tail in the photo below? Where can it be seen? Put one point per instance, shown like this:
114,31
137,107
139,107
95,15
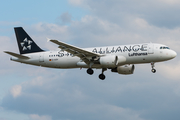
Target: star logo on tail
26,44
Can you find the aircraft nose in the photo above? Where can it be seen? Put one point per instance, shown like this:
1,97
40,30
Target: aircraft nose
173,54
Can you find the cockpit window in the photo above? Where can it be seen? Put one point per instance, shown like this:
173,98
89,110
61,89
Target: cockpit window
164,47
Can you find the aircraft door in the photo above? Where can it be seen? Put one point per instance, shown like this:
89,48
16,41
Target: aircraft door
41,57
150,48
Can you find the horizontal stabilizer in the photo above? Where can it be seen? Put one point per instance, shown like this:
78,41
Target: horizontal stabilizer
17,55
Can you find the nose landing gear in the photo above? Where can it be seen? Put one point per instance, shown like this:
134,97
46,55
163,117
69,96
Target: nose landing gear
152,65
153,70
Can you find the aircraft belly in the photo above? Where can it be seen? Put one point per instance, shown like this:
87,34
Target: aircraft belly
62,62
140,59
134,60
67,63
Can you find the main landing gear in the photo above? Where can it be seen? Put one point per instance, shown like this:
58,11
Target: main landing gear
152,65
101,76
90,71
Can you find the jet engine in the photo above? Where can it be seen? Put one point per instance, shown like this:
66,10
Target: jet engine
125,70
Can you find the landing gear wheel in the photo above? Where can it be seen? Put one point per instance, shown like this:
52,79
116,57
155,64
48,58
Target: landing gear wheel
153,70
90,71
152,65
102,76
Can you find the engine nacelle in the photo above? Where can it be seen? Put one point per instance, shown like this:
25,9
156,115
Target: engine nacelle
126,69
109,61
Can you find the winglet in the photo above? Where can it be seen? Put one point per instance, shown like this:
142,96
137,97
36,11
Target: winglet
17,55
48,39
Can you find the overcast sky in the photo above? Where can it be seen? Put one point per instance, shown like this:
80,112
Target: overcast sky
36,93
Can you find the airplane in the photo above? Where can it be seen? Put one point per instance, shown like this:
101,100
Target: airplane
119,59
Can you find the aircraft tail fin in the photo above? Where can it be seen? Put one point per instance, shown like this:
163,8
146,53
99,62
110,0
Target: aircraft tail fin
25,42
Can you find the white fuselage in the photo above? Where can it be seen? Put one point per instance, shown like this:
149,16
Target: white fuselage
133,54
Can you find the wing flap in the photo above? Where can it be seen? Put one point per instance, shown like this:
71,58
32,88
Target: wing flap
17,55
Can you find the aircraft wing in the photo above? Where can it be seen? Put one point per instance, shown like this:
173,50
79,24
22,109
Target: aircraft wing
76,51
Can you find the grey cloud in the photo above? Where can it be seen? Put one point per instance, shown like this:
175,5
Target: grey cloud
65,18
155,12
76,95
